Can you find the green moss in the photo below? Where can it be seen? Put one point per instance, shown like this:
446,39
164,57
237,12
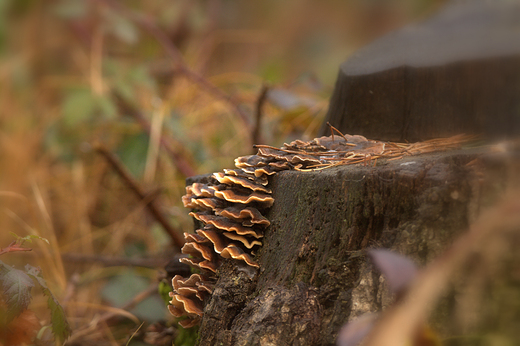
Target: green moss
187,337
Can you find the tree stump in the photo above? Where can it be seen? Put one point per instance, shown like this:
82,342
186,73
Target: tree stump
458,72
313,274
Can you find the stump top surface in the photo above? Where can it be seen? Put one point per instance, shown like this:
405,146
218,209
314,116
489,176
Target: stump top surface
471,30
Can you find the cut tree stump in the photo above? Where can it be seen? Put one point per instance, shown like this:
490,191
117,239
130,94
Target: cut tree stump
314,275
458,72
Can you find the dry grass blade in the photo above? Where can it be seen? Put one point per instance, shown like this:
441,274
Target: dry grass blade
174,148
110,312
152,156
134,333
359,151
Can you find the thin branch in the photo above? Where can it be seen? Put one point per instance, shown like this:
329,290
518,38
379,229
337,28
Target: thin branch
332,129
110,261
175,235
149,291
260,101
114,312
13,247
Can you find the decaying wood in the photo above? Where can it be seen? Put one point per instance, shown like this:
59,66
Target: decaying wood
313,273
226,235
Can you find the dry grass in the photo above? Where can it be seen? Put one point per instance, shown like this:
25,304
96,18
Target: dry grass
61,66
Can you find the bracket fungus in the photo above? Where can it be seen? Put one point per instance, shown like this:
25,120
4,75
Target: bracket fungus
232,204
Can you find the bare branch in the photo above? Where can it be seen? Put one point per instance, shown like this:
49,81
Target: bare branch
175,235
260,101
111,261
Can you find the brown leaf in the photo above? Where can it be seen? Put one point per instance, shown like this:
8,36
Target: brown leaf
21,330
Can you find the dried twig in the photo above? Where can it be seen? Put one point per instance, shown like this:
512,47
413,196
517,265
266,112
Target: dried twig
112,313
151,289
110,261
13,247
175,235
260,101
332,129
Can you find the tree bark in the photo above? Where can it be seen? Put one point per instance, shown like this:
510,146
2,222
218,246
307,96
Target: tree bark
314,276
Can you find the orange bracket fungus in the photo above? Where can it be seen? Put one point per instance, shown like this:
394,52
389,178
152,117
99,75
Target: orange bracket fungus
231,205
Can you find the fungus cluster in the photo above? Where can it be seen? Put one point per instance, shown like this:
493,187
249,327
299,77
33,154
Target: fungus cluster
231,206
230,210
189,299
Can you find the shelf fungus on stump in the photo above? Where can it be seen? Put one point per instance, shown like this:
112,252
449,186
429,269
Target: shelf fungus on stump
231,206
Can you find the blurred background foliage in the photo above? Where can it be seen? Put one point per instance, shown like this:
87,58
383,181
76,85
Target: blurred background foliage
171,88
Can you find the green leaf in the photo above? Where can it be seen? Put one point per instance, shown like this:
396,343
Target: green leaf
272,71
28,238
60,326
186,337
70,9
122,28
164,292
78,106
140,76
124,89
16,289
132,152
107,107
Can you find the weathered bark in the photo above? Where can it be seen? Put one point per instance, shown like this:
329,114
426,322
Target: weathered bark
314,276
458,72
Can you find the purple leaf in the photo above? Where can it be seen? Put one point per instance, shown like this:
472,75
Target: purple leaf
398,270
16,290
355,331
